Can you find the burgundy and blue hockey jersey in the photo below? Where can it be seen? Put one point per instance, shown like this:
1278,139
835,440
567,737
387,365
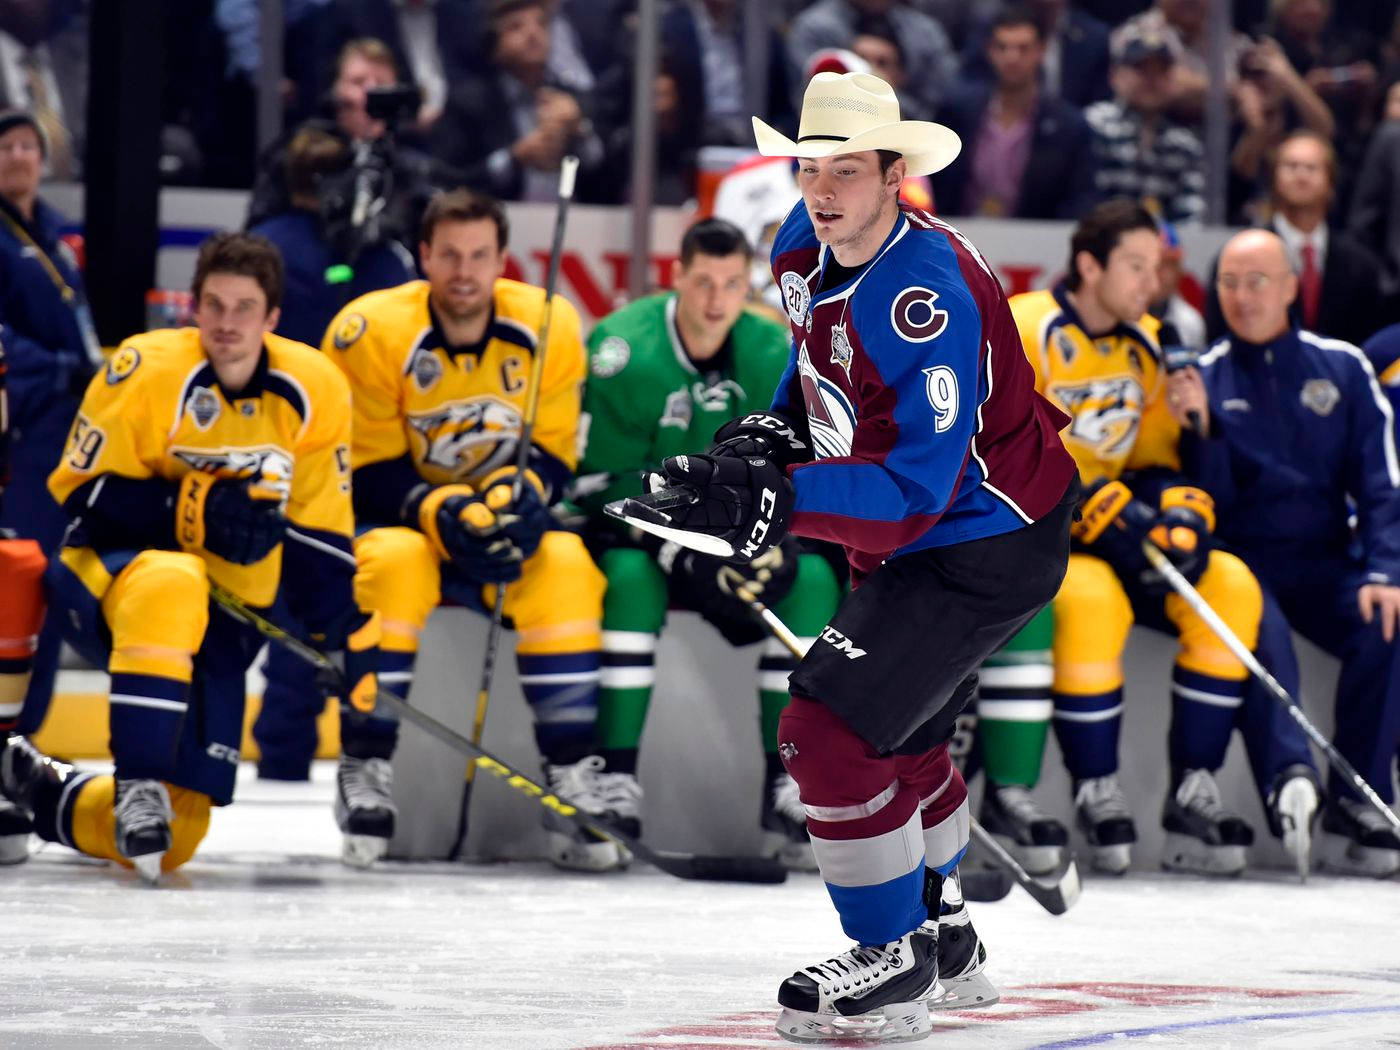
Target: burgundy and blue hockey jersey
919,400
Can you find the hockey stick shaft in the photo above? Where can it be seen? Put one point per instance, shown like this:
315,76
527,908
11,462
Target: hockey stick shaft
682,865
1162,564
1055,894
568,170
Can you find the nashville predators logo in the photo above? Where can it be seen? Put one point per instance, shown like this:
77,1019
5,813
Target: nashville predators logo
1106,413
466,438
351,327
269,466
122,364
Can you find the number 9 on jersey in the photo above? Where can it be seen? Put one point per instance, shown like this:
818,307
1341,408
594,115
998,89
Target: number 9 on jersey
942,388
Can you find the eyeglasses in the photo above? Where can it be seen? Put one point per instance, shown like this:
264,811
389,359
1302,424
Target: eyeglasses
1253,282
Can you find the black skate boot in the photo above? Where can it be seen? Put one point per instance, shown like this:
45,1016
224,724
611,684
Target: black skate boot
1103,815
1036,839
1292,808
364,808
23,768
1358,840
872,992
962,957
143,813
1202,835
615,796
785,822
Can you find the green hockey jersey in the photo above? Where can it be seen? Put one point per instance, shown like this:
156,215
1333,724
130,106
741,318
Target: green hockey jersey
646,400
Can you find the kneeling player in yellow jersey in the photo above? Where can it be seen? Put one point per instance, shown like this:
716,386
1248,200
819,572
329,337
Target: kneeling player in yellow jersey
1097,356
439,370
217,454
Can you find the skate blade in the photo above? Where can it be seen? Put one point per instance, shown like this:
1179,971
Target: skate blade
1037,860
1298,843
568,853
1344,857
965,993
148,866
14,849
1187,854
895,1023
361,851
1112,860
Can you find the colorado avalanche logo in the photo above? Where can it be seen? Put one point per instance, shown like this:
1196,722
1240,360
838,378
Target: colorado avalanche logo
915,317
830,417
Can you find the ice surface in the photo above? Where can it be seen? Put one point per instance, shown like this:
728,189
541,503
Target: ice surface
264,940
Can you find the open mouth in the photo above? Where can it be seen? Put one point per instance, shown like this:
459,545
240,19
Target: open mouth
827,216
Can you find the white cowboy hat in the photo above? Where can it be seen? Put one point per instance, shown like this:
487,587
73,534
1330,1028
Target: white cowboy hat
852,112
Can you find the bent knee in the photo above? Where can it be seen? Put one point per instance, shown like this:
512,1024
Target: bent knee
159,601
397,574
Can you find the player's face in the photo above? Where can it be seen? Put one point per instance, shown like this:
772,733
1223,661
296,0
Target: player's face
1256,287
847,196
462,263
21,162
1127,285
711,291
233,317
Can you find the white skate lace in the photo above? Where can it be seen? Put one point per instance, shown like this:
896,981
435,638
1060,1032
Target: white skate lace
366,783
787,800
621,794
1104,798
142,804
1200,794
580,784
1017,801
860,965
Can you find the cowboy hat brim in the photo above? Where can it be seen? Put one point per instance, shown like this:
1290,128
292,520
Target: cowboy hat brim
926,147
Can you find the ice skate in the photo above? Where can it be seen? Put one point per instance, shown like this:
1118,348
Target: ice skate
1358,840
872,993
1292,810
1202,835
1103,815
15,828
364,809
785,825
584,785
143,813
1037,840
962,958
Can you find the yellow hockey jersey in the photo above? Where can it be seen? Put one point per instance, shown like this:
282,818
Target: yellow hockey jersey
1112,386
158,411
454,414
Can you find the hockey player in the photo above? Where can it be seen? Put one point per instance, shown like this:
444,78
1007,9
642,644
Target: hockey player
1095,353
907,429
1298,437
439,370
21,613
664,373
217,454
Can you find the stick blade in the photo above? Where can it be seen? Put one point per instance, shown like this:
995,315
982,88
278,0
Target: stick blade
761,870
1058,891
649,513
984,885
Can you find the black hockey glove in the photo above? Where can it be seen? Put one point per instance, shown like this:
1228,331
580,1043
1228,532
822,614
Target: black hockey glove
744,501
1183,529
768,577
524,519
239,521
1112,526
762,434
464,531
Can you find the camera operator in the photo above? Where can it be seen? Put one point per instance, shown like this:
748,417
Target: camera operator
367,105
329,258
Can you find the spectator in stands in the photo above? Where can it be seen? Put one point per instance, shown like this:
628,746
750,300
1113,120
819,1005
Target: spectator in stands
877,43
43,70
1374,216
436,41
704,40
1186,23
1272,100
327,263
931,63
507,127
1138,149
1300,439
1075,66
1025,152
1339,293
677,135
403,175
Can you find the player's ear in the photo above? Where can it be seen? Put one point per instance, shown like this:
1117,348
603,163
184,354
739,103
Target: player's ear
894,177
270,321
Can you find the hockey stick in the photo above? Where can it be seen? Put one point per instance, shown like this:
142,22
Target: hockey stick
1055,892
568,169
1202,608
682,865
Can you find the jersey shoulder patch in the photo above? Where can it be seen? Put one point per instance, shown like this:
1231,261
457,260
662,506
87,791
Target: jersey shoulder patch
122,364
610,357
349,330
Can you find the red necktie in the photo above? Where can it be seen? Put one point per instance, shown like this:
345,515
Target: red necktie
1310,286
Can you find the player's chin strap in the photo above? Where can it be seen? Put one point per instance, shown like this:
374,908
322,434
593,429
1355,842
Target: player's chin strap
1055,892
682,865
1212,619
